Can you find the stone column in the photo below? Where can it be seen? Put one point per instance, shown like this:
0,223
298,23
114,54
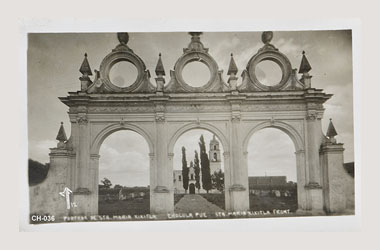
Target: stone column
227,180
239,188
84,190
83,154
301,181
334,178
94,183
313,186
162,196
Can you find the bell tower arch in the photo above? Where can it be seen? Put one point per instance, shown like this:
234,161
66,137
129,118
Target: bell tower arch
214,155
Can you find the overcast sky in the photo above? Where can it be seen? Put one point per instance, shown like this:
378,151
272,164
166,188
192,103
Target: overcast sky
54,60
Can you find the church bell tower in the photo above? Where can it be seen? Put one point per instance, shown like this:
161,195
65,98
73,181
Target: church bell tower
214,155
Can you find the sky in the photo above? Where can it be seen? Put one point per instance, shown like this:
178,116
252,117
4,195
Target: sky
53,65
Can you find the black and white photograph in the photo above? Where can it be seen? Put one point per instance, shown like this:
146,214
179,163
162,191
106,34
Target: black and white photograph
193,125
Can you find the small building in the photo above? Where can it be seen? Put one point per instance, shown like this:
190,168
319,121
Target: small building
271,185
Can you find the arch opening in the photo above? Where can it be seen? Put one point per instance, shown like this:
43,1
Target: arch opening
272,171
198,179
123,174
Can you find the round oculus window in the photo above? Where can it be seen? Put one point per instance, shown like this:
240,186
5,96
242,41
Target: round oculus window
268,73
196,74
123,74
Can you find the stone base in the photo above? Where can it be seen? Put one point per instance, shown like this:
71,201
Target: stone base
316,212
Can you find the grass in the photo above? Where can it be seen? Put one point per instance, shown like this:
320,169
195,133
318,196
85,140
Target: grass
126,207
258,203
265,203
177,197
216,199
141,206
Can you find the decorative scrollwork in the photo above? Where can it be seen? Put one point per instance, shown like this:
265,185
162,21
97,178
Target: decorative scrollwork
82,120
311,115
160,117
235,117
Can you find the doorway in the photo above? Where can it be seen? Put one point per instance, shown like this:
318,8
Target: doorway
192,188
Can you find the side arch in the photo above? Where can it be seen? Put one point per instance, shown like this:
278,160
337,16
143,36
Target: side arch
222,137
286,128
105,132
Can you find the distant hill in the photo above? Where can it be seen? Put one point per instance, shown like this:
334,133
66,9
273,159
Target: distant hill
37,172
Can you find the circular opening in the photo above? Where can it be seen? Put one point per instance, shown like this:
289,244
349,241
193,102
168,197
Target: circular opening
196,74
123,74
268,73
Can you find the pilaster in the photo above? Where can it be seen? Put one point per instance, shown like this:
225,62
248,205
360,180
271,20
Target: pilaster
334,178
239,187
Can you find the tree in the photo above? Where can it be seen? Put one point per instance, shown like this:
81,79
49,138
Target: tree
218,180
37,172
185,170
106,183
197,170
117,186
205,165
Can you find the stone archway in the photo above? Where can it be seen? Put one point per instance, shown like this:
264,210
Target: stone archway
219,133
162,113
95,149
298,143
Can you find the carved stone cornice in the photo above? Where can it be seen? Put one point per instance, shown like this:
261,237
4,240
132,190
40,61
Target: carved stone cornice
161,189
95,156
313,185
82,191
170,156
151,156
237,188
300,152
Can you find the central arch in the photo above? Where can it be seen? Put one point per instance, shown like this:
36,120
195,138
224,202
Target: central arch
207,126
221,136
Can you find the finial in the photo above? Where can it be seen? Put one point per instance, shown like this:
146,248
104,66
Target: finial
195,33
160,71
85,68
331,132
195,43
267,37
305,65
232,69
123,37
61,136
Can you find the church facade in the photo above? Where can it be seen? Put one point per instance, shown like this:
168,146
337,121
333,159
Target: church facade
215,166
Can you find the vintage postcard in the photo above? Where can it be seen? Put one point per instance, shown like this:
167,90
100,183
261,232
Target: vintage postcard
197,125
